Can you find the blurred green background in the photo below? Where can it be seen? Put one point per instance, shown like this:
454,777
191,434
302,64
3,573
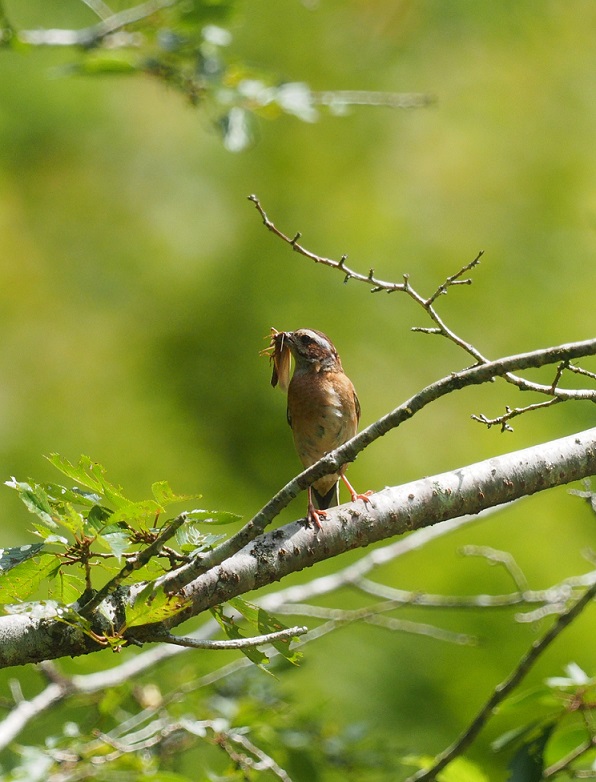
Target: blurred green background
138,283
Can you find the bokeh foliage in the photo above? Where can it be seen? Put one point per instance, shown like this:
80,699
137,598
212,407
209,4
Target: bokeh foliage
138,283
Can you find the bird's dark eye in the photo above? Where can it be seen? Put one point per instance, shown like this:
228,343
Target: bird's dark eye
305,339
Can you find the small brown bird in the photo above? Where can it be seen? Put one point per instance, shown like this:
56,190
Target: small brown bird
323,409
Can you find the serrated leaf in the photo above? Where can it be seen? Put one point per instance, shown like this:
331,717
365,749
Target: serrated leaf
67,587
35,499
232,631
98,516
20,582
150,607
76,472
190,538
164,494
266,623
90,474
137,513
11,557
212,516
62,494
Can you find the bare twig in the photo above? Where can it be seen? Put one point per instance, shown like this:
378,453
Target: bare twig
91,36
503,420
395,100
503,689
496,557
232,643
264,761
99,8
566,761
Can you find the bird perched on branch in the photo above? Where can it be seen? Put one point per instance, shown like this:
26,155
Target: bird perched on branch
323,409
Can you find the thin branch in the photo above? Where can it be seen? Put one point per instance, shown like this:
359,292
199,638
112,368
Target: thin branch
580,371
455,279
136,563
99,8
232,643
374,615
503,420
571,757
337,99
504,558
503,689
91,36
265,761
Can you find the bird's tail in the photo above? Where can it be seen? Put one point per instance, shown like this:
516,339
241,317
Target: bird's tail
324,501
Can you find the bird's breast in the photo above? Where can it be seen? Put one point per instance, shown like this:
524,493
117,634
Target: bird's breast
322,414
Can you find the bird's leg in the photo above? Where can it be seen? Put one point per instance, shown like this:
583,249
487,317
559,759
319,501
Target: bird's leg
314,515
353,493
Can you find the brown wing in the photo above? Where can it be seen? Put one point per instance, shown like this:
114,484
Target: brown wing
357,405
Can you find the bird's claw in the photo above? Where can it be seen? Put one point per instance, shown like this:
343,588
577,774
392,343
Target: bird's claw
314,516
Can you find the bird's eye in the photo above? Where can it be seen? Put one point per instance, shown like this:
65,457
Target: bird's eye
305,339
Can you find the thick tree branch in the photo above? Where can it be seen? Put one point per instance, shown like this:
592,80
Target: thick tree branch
295,546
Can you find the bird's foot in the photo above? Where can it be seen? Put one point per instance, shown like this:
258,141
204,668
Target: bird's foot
354,494
364,497
314,516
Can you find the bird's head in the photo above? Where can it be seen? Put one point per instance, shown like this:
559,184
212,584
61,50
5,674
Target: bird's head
312,350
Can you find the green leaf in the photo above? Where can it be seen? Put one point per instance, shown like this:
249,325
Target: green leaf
11,557
212,516
164,494
462,770
21,582
102,61
35,499
190,538
527,764
61,494
97,517
232,631
67,587
90,474
117,543
136,513
265,623
538,698
151,606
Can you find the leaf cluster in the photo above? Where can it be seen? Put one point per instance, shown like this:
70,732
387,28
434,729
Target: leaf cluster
555,734
184,45
96,540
